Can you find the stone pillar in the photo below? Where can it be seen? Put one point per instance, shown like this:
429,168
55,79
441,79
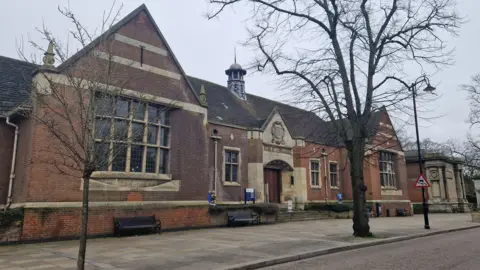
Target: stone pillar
300,176
255,180
476,182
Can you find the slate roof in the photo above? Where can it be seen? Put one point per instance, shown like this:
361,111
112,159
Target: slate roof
15,80
224,107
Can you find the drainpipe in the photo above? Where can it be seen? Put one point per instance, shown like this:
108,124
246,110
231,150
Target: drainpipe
12,168
215,168
215,139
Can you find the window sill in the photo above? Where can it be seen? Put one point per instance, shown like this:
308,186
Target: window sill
389,188
334,188
231,184
316,187
391,192
132,176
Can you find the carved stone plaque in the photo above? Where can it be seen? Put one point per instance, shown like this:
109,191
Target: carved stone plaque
278,133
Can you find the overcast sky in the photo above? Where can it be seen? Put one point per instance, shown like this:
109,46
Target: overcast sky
205,48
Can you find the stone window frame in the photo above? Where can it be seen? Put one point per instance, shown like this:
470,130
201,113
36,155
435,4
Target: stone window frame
391,165
318,161
161,123
337,182
239,166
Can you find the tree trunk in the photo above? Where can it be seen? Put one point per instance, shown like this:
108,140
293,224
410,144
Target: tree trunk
360,216
83,231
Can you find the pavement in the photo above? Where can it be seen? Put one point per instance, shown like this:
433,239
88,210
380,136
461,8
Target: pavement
221,248
452,251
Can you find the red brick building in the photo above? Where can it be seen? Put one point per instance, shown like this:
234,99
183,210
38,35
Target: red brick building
283,152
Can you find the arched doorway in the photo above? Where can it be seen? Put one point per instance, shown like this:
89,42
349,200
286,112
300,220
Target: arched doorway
272,179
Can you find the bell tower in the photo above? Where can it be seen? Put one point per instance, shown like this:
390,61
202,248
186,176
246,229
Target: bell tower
236,84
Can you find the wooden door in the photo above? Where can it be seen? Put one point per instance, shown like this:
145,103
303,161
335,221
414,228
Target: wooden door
272,178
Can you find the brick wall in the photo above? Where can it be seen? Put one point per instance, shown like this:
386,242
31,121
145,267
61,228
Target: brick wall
55,223
189,153
230,193
415,194
6,145
302,157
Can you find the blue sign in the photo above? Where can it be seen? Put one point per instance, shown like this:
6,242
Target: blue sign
211,197
339,197
249,195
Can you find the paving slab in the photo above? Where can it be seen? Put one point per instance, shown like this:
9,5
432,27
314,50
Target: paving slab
217,248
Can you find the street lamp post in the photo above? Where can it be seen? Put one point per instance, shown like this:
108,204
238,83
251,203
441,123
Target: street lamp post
429,88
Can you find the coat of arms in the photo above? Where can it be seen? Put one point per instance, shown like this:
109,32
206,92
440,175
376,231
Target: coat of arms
278,133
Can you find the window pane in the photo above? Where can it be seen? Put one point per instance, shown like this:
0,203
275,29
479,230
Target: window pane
119,157
136,158
227,156
164,116
137,132
234,173
382,180
104,105
101,156
121,109
227,172
121,130
164,138
138,110
234,157
152,134
102,128
153,114
312,178
163,161
151,160
333,168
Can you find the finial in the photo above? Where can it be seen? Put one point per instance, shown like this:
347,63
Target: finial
203,95
235,54
49,56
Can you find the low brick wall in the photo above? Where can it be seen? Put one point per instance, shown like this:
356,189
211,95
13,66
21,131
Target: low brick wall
58,223
392,208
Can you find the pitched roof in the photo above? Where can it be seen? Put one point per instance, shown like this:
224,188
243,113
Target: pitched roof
15,80
224,107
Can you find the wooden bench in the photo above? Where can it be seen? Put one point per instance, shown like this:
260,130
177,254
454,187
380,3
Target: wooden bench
136,223
402,212
242,217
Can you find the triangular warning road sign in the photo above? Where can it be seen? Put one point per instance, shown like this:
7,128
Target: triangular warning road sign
422,182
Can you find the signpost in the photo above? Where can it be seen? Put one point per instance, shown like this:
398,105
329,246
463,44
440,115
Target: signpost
422,182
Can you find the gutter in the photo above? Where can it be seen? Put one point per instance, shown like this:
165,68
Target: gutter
12,168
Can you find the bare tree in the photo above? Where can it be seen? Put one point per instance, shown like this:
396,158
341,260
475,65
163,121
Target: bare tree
85,109
350,58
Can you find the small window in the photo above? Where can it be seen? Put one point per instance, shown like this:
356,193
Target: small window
315,173
235,75
231,166
333,175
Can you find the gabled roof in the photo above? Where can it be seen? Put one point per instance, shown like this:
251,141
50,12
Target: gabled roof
142,8
15,82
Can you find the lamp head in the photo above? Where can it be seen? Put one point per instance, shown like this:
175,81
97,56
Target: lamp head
429,88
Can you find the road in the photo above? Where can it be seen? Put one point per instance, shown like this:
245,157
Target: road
457,250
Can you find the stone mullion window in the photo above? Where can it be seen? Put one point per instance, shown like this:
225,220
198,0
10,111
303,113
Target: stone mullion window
386,163
142,153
